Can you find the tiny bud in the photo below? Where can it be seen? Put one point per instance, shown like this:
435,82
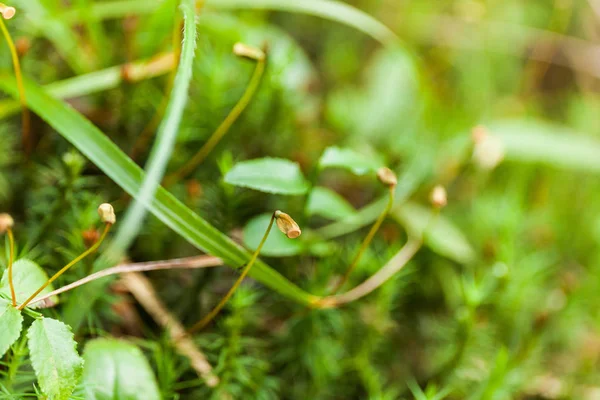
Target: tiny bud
287,225
6,222
22,44
107,213
243,50
438,197
489,150
7,11
90,237
387,176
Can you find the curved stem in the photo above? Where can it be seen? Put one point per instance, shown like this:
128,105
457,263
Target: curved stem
66,267
206,320
17,66
375,281
367,240
222,130
393,266
11,258
179,263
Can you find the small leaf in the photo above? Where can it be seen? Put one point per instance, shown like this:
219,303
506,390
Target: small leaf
327,203
28,276
541,142
271,175
357,163
277,244
57,365
11,322
115,369
442,237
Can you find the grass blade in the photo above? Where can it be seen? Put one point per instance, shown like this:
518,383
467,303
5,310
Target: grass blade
107,156
327,9
166,136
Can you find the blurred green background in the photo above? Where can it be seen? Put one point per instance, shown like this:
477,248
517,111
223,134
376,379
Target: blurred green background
502,302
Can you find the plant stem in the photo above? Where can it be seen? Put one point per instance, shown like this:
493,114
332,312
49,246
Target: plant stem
393,266
17,66
180,263
379,278
223,128
69,265
206,320
367,239
11,258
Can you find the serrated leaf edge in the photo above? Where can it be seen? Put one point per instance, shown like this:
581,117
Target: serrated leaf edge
16,337
37,363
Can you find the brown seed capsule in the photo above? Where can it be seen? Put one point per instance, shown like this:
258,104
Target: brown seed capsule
6,222
438,197
243,50
287,225
7,11
387,176
107,213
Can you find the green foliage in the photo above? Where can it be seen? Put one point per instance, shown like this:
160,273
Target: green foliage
115,369
533,141
439,233
500,301
271,175
11,321
357,163
327,203
27,277
54,357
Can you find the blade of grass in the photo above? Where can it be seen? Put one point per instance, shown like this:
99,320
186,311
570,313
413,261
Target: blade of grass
165,138
98,81
107,156
327,9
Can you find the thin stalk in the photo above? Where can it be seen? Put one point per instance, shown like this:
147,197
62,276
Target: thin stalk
406,253
223,128
11,258
26,122
209,317
69,265
180,263
367,240
375,281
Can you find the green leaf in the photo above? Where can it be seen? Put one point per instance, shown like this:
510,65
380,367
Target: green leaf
386,110
277,244
103,153
442,236
28,276
11,322
57,365
115,369
357,163
328,9
327,203
271,175
541,142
